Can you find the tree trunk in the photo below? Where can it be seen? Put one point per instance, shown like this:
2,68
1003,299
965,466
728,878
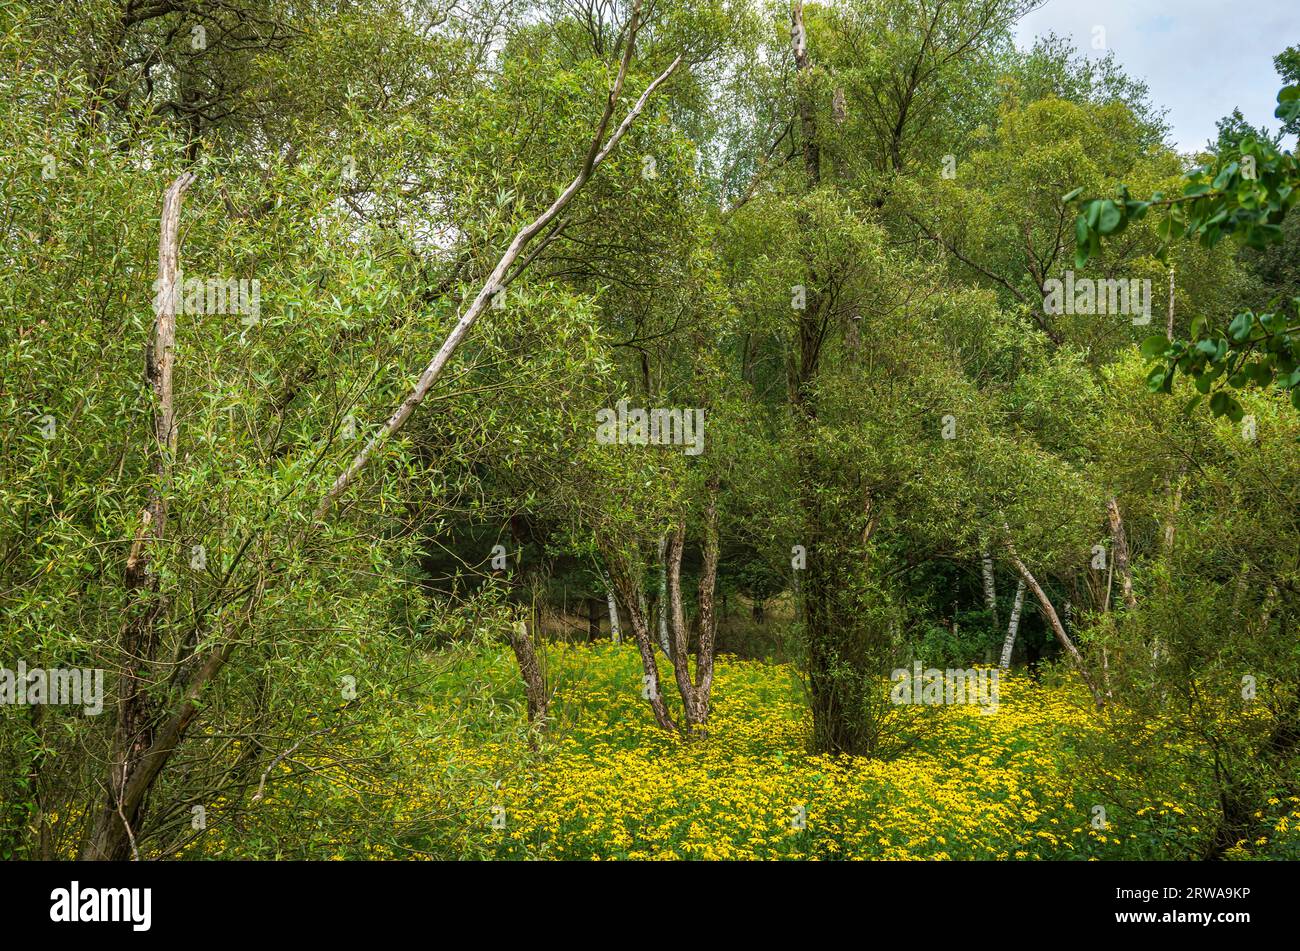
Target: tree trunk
681,645
1055,623
615,630
598,151
835,676
113,836
807,108
1169,324
627,579
1009,644
990,589
1119,552
521,642
708,617
665,642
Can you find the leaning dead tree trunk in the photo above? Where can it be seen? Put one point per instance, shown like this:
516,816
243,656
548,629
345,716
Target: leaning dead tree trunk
596,154
1054,622
131,778
137,716
1009,643
1119,552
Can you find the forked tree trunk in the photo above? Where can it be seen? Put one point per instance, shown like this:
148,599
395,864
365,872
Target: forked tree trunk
696,695
681,647
665,639
627,579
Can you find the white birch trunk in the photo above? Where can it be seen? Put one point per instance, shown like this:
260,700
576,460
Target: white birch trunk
1009,644
990,590
615,632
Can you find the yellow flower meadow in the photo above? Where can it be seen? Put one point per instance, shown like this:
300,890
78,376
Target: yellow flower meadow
605,783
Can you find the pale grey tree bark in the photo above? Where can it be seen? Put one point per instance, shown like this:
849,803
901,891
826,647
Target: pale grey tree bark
1119,553
136,725
615,631
1009,643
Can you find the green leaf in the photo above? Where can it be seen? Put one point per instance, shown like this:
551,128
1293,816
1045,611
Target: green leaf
1154,346
1071,196
1080,232
1109,218
1225,176
1262,371
1239,329
1082,242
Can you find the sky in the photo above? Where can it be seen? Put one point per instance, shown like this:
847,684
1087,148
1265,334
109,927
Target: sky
1200,58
